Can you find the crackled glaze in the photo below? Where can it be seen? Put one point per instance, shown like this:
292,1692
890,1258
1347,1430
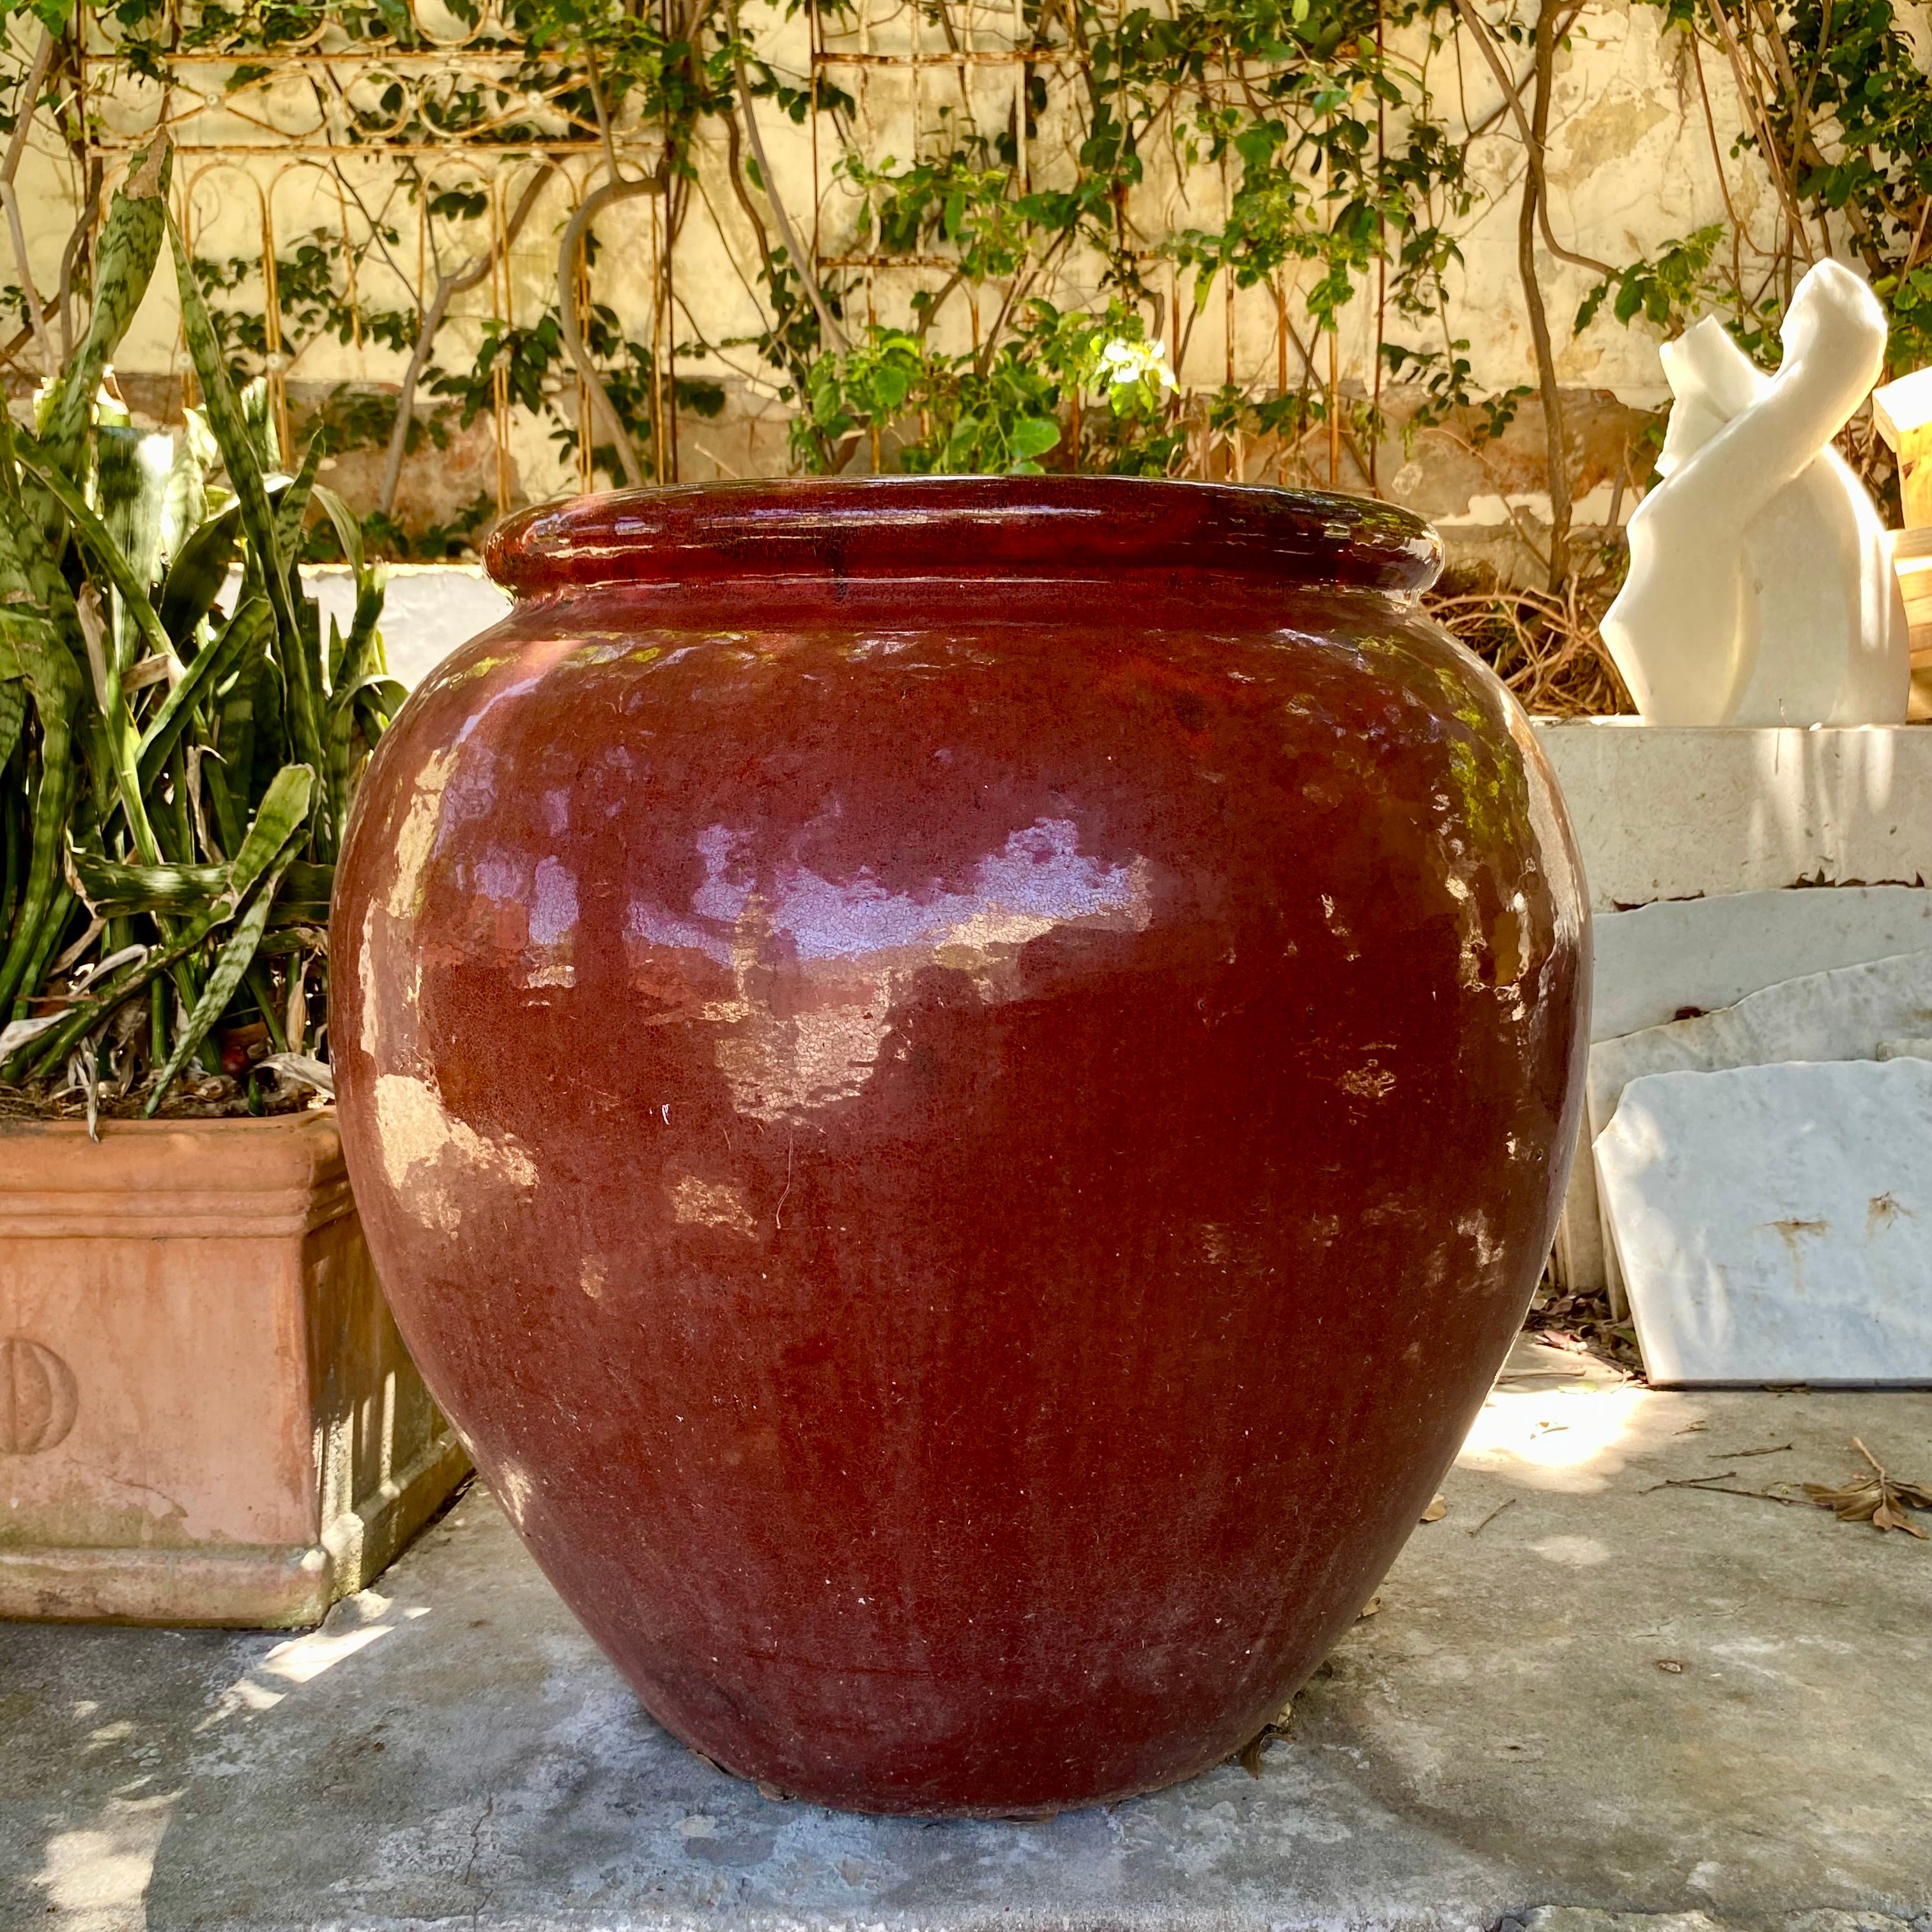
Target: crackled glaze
960,1085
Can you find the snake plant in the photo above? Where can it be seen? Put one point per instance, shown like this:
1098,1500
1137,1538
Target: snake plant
176,767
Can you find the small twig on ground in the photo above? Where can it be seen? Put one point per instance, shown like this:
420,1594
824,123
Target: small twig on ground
1734,1455
1510,1504
1759,1495
1716,1486
1685,1482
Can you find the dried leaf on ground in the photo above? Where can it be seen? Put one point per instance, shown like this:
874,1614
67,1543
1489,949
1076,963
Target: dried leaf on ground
1583,1324
1436,1510
1880,1499
1249,1757
1371,1608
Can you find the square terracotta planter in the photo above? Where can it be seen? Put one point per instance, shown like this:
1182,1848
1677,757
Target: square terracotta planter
206,1414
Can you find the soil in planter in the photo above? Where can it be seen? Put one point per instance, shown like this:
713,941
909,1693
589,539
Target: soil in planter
212,1097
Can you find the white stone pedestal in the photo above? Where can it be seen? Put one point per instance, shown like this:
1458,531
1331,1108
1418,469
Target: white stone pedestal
1666,814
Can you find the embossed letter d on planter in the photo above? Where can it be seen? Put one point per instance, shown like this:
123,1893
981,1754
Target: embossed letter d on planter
206,1416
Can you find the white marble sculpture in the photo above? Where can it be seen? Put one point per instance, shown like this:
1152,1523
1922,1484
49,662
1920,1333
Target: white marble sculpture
1761,589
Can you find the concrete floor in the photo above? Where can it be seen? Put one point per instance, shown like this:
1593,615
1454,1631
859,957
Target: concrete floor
1607,1699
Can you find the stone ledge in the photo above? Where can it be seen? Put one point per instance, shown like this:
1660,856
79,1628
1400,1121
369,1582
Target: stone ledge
1676,812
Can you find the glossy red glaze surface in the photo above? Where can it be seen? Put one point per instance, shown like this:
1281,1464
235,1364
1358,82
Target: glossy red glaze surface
960,1086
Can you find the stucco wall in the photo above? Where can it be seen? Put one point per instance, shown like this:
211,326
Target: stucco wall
1632,164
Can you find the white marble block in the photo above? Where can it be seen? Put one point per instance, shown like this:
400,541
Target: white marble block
1653,962
1920,1049
1774,1223
1842,1014
1675,813
1839,1014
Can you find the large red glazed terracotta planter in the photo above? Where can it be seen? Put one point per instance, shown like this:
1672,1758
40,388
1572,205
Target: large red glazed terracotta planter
959,1087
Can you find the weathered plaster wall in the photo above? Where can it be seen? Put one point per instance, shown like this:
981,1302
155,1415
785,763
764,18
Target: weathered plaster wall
1633,164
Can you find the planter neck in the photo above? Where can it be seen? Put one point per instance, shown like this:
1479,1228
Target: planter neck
963,530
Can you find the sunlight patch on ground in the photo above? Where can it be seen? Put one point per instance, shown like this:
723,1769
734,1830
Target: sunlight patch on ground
1554,1429
96,1879
305,1658
301,1660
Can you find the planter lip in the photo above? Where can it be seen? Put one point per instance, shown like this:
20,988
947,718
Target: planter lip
106,1130
1071,529
282,1173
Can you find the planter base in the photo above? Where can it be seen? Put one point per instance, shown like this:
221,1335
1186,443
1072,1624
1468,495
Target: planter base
206,1414
265,1589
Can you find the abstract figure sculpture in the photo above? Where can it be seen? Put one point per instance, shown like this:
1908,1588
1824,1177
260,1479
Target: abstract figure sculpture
1761,589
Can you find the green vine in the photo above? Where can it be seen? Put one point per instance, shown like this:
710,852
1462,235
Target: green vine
1060,296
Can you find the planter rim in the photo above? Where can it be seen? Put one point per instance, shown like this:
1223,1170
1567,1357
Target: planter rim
172,1178
1037,528
106,1129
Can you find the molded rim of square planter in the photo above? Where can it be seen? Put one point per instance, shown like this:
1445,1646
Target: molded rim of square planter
193,1335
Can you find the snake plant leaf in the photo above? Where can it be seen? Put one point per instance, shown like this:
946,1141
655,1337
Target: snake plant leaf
348,531
98,545
114,890
196,576
185,499
132,472
352,734
53,930
279,830
30,570
300,1066
252,738
13,714
243,637
33,653
282,815
105,556
16,1033
292,505
123,264
239,453
388,695
231,963
362,649
261,421
52,801
32,650
237,737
